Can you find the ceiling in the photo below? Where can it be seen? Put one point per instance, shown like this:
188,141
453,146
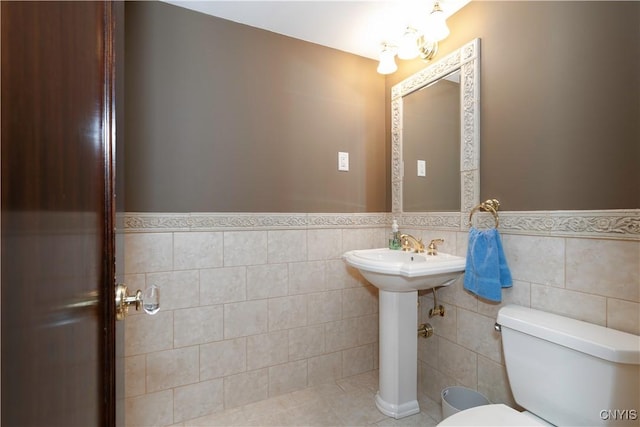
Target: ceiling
357,27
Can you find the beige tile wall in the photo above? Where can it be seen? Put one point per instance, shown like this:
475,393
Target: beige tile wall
592,279
245,315
253,313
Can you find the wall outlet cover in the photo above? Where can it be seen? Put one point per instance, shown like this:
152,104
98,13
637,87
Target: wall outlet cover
422,168
343,161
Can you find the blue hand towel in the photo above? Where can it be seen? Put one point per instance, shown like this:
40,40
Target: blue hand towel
487,271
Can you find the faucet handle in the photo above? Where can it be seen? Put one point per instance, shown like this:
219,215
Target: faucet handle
406,244
410,243
433,246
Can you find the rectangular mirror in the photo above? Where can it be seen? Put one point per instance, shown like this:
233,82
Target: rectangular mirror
416,132
431,146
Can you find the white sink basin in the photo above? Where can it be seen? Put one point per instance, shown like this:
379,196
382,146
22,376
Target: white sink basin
399,276
398,271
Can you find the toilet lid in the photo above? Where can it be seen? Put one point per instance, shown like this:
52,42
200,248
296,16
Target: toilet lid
490,415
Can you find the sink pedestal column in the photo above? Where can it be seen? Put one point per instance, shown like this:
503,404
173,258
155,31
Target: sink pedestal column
398,389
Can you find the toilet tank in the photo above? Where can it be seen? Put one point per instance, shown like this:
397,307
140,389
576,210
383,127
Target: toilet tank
569,372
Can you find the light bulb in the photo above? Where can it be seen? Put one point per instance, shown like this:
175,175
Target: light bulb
387,62
408,48
437,28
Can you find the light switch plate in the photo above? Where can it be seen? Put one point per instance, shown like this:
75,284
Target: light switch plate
422,168
343,161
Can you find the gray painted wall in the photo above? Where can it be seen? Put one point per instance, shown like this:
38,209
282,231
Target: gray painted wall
222,117
560,101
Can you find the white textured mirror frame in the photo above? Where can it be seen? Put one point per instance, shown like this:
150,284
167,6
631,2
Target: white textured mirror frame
467,60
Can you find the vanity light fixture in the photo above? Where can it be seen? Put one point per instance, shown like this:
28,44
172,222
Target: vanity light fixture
436,28
415,43
408,47
387,63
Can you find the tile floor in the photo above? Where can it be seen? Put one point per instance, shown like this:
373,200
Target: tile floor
347,402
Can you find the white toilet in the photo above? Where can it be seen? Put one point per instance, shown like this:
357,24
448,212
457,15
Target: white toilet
564,372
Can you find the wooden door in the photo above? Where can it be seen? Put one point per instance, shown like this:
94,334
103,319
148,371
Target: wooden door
58,327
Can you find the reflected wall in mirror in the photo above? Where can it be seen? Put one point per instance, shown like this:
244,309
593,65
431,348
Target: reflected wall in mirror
431,146
466,61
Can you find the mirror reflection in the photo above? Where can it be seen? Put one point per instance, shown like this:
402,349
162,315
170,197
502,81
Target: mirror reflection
435,138
431,146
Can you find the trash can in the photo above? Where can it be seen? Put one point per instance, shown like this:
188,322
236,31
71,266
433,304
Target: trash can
456,399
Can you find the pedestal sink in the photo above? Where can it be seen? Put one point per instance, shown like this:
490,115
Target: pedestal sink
399,275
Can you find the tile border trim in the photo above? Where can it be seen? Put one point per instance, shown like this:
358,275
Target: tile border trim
606,224
163,222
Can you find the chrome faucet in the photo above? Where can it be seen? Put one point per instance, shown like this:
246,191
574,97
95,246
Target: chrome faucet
433,246
410,243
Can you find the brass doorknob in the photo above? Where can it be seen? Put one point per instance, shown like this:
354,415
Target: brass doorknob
149,300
